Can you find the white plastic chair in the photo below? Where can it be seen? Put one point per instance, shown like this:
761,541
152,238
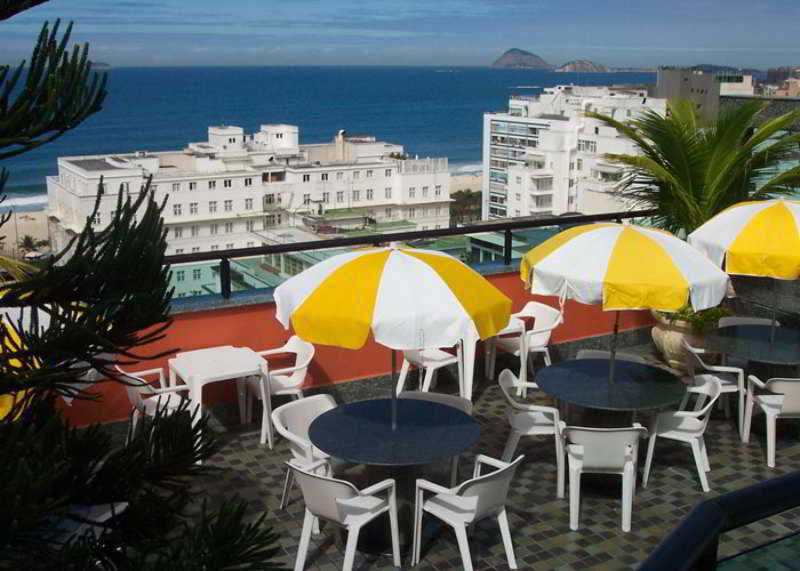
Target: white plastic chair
462,404
781,401
531,420
618,355
342,503
466,504
687,426
292,421
602,451
731,380
546,319
736,320
430,361
146,398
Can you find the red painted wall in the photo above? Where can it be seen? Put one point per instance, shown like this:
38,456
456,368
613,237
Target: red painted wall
255,326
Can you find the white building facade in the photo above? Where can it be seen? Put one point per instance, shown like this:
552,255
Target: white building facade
545,156
223,193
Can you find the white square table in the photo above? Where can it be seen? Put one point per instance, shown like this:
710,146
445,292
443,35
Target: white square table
203,366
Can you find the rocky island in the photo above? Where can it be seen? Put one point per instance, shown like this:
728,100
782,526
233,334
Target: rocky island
582,66
520,59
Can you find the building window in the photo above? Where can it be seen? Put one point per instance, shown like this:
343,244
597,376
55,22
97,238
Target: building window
192,208
412,191
579,164
355,175
438,211
177,232
228,227
369,194
356,196
251,244
176,210
340,196
214,229
306,199
214,247
269,199
196,274
228,205
250,225
424,192
178,251
192,186
438,190
227,183
180,275
195,231
176,186
248,203
369,174
212,206
306,177
424,212
229,246
326,196
195,249
518,197
96,219
323,176
388,192
248,182
587,146
388,213
212,184
339,175
387,172
412,212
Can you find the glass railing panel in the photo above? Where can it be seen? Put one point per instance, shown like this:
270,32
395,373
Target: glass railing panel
779,554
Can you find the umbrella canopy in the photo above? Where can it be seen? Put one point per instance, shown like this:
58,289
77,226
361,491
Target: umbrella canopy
754,239
408,298
623,267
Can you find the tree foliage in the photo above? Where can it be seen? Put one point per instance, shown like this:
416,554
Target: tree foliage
690,171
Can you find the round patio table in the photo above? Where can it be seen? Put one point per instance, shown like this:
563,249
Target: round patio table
584,382
361,432
754,343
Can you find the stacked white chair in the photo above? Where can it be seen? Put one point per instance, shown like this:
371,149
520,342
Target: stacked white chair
341,503
780,399
476,499
292,421
602,451
731,380
531,420
546,319
146,398
429,361
687,426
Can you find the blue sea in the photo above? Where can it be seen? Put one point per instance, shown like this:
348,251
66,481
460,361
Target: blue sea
431,111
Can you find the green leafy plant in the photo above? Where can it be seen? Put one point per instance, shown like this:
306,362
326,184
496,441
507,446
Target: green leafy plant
699,321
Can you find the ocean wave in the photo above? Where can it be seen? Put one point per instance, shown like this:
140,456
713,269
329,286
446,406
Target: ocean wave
27,201
471,168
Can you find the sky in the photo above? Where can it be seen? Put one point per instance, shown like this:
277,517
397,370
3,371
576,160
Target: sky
619,33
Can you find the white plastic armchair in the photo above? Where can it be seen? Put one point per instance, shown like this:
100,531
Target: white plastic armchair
546,319
602,354
602,451
731,380
145,398
292,421
340,502
429,361
476,499
777,398
528,419
687,426
289,380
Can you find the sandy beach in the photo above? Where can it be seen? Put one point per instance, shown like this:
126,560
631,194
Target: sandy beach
465,182
32,223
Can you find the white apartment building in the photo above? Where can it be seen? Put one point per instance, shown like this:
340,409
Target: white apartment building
544,156
221,194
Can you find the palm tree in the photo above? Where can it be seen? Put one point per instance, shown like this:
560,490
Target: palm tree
689,171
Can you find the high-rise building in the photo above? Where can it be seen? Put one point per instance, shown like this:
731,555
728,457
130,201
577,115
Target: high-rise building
702,89
545,156
222,193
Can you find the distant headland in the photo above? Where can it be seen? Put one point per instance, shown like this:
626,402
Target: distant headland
516,58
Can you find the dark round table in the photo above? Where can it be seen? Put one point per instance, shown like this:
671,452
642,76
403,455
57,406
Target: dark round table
754,343
584,382
361,432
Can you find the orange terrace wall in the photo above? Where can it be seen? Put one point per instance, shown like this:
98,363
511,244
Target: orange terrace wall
255,326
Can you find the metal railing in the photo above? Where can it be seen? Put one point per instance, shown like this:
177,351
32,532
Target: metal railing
693,544
506,227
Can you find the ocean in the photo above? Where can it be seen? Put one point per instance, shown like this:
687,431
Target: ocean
431,111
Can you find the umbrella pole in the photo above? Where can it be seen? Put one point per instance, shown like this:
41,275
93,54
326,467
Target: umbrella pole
774,310
394,392
613,349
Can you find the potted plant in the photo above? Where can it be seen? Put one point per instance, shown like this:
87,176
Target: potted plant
672,328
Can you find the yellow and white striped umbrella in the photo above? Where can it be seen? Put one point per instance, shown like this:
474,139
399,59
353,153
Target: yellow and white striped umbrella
623,267
408,298
754,239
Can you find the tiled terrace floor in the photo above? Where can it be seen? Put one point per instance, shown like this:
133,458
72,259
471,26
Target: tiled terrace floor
539,521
